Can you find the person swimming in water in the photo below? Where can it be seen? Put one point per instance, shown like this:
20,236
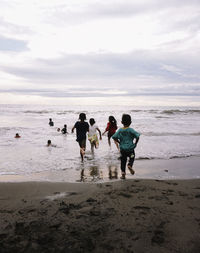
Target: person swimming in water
17,135
49,144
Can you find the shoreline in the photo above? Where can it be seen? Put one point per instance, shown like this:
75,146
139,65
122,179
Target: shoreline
158,216
169,169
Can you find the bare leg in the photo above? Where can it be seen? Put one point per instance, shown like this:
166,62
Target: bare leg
82,153
82,175
109,143
92,147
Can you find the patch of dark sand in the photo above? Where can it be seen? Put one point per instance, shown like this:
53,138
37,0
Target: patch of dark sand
96,221
124,194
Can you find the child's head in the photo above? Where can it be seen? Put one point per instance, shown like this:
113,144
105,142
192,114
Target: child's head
50,119
82,116
126,119
92,121
65,126
17,135
112,120
58,129
49,142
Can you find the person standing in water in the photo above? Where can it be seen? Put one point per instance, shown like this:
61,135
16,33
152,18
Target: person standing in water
51,122
82,128
92,135
125,136
64,130
111,129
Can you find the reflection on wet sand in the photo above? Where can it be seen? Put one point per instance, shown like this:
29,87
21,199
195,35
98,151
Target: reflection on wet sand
112,172
93,173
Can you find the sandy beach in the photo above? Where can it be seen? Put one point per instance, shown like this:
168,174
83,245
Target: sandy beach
124,216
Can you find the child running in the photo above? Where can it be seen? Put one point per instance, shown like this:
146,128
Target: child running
111,129
125,137
82,128
92,135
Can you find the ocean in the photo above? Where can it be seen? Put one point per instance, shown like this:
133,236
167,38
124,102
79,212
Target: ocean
169,134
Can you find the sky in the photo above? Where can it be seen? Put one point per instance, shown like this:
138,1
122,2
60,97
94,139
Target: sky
51,50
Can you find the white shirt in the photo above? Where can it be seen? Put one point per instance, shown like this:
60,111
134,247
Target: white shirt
92,130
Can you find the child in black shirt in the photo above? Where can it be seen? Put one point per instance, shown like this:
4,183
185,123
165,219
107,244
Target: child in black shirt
82,128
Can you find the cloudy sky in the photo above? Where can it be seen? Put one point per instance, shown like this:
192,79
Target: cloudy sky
58,48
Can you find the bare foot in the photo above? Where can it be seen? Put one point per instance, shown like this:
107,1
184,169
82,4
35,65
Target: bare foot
131,170
82,151
123,176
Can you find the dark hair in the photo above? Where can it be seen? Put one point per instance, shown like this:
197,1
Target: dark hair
92,121
50,119
112,120
82,116
126,119
65,125
49,141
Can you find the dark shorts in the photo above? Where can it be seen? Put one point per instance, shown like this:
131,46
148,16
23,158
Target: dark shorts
124,156
82,143
110,135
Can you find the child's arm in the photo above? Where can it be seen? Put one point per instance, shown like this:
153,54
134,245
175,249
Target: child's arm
73,128
104,132
99,133
115,136
107,128
137,139
116,140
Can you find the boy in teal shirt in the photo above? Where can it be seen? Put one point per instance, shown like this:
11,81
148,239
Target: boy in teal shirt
125,137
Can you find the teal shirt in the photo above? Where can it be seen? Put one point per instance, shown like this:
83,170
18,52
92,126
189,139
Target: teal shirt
126,136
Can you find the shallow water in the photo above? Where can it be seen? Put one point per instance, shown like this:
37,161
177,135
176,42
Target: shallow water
167,133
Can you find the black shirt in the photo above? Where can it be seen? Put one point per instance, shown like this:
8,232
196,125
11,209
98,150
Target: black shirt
81,129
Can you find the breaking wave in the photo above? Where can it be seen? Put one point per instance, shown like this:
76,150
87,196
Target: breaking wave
170,134
188,111
164,158
38,112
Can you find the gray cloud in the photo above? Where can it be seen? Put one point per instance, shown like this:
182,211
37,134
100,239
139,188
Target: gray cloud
9,44
105,92
160,71
140,72
139,63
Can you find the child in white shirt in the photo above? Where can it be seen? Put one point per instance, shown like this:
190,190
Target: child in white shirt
92,134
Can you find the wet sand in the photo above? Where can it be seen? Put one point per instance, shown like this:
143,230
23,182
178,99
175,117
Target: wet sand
125,216
176,168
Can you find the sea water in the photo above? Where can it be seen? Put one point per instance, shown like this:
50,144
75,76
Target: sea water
167,133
